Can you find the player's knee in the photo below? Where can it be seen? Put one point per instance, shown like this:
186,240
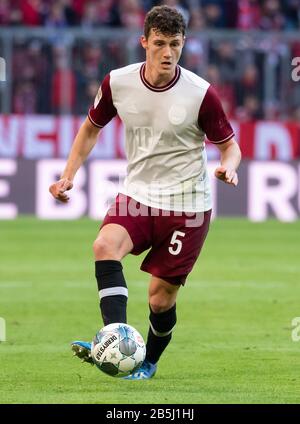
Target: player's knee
160,303
103,249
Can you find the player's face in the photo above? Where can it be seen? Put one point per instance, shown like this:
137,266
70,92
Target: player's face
163,52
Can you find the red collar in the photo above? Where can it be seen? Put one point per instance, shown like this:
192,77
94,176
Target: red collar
163,88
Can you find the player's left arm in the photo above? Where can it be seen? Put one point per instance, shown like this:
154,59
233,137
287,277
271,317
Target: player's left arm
213,121
229,163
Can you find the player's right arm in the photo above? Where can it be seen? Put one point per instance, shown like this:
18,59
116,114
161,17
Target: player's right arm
84,142
99,115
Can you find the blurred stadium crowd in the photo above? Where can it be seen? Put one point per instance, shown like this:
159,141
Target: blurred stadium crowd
240,14
252,75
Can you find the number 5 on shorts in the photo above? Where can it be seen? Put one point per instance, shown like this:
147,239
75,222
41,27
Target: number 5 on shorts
175,244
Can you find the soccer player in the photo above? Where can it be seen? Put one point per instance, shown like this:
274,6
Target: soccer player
165,204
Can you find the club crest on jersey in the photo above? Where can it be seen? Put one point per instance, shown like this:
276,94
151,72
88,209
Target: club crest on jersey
177,114
98,98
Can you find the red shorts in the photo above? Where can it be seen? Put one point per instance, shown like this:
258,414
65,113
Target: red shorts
175,238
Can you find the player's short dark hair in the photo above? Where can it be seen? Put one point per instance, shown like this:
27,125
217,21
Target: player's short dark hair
164,19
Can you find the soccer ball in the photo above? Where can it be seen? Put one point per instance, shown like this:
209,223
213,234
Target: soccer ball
118,349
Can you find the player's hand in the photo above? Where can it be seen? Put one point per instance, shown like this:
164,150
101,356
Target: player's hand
229,176
58,189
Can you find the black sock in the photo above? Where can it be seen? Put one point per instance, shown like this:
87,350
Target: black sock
113,291
160,333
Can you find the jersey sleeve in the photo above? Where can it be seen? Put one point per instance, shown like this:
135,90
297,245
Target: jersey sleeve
212,119
103,109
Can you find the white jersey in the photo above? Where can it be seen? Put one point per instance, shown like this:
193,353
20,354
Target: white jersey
165,131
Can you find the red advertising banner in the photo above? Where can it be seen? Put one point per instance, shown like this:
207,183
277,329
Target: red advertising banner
266,189
49,137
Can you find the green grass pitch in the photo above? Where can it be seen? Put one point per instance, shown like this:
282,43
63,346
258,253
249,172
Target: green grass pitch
232,342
